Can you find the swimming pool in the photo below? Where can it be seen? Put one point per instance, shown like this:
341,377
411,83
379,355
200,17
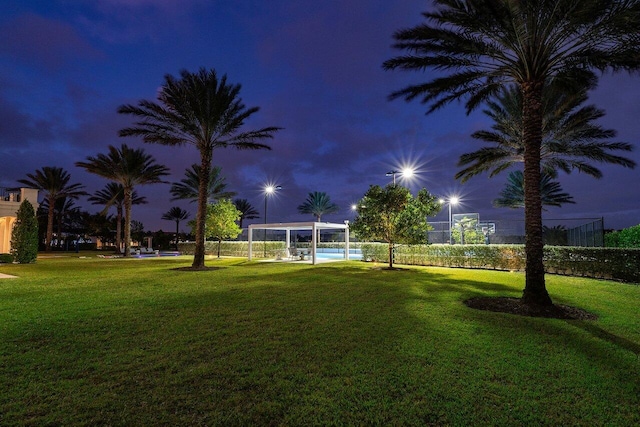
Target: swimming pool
337,254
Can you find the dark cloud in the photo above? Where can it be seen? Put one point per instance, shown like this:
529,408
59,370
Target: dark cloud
19,130
43,42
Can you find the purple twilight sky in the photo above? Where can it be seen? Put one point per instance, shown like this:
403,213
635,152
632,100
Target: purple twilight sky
313,68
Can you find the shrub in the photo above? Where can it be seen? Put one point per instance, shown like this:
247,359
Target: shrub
626,238
235,248
602,263
6,258
24,238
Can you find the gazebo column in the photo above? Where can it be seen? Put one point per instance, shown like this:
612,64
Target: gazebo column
346,242
288,240
314,243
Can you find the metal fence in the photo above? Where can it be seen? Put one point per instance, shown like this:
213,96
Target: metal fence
587,232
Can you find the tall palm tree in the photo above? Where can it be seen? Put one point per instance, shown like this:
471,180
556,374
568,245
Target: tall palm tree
479,47
63,209
247,211
54,183
571,138
512,196
113,195
128,167
187,188
202,110
176,214
317,204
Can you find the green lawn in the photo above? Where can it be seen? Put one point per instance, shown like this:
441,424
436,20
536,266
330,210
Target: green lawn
132,342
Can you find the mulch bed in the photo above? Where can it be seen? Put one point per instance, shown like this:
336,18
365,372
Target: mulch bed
196,269
515,306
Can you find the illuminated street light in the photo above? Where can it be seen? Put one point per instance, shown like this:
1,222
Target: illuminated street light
405,173
452,201
268,190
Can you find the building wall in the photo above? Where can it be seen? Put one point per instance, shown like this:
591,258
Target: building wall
8,210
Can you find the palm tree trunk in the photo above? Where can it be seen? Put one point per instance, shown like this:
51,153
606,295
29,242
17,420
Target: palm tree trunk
535,292
119,229
59,229
127,221
49,237
177,231
201,215
390,255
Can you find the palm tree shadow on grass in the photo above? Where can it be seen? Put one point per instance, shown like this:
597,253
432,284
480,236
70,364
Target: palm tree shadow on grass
515,306
511,305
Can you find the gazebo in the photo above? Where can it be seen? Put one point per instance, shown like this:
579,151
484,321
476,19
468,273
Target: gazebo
287,227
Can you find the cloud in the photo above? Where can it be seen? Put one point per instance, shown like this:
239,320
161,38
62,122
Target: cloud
44,42
19,130
129,21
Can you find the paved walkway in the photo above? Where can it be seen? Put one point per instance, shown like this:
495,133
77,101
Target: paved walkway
7,276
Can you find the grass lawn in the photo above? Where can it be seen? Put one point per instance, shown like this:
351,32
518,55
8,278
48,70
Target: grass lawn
88,341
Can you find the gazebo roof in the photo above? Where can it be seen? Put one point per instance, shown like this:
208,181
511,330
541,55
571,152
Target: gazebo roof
299,226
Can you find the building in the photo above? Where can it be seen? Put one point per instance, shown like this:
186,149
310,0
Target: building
10,200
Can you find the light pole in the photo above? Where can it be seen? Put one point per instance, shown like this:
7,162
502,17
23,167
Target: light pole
393,173
452,201
405,172
268,190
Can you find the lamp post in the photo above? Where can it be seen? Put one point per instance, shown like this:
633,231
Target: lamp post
452,201
268,190
405,172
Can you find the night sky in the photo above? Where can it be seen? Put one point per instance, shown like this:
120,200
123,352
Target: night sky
313,68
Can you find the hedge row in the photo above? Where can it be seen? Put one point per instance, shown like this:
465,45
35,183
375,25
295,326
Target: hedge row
241,249
235,248
601,263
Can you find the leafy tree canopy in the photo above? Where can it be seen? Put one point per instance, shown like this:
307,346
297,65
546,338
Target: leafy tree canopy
393,215
221,221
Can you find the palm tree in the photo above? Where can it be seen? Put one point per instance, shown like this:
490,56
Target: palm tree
187,188
128,167
486,45
247,211
54,182
202,110
113,195
176,214
512,196
318,204
61,211
571,138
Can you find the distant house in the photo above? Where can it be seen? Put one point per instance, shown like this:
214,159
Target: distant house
10,200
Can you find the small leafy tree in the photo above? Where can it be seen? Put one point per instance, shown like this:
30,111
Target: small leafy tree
221,221
627,238
24,238
391,214
466,232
